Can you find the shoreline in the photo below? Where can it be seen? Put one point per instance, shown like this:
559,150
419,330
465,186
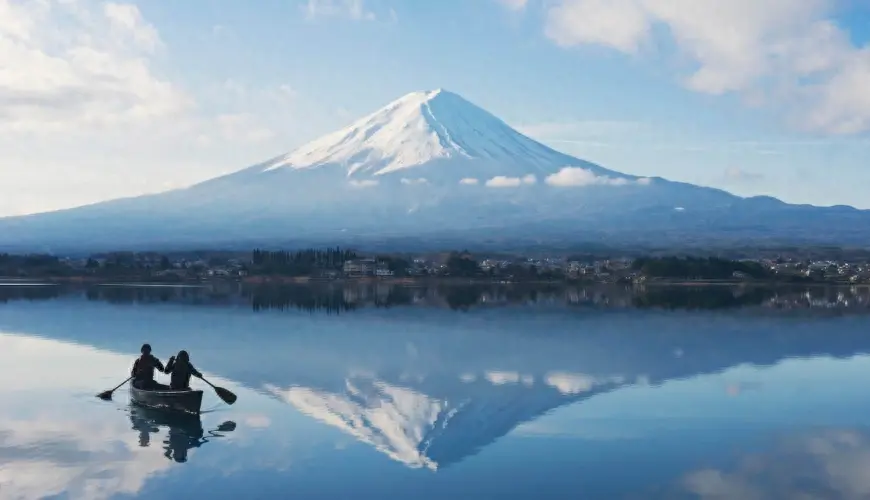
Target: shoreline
408,281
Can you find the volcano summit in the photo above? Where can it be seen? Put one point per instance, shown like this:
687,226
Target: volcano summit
434,167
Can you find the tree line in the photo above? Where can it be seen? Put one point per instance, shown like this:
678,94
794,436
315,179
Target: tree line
32,264
710,268
299,263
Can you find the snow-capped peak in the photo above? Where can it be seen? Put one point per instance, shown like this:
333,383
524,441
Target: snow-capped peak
421,430
416,129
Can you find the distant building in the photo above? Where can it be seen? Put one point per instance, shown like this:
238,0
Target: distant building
359,267
383,271
574,268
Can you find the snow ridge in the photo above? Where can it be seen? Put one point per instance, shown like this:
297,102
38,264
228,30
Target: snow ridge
416,129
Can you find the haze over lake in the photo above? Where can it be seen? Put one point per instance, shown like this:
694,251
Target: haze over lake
451,391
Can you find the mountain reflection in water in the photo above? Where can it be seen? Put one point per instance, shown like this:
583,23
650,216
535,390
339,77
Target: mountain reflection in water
717,392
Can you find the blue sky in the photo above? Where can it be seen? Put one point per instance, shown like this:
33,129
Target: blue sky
117,99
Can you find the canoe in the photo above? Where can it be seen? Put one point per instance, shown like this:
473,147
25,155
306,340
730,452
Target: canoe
175,401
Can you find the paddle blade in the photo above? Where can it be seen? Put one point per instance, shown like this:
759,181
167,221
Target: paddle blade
226,395
106,395
228,426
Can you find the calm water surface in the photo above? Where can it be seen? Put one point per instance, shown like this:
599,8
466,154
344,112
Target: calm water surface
462,392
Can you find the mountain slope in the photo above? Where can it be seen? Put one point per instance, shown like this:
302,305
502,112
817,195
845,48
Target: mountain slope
423,138
431,165
420,128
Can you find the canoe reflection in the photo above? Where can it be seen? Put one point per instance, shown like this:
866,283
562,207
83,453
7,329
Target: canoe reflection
185,432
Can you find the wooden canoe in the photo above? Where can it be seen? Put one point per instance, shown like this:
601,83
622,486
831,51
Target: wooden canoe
176,401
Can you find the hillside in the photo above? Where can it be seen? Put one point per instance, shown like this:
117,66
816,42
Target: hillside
432,168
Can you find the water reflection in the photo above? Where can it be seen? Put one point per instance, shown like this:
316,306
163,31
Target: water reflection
825,463
184,432
438,421
713,297
14,291
700,399
431,389
348,297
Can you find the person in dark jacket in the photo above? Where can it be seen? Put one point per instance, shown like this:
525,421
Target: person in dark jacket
181,369
143,370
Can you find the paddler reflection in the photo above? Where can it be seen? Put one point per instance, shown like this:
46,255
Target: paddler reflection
184,432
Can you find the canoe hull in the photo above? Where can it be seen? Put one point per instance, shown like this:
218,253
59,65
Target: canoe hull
189,402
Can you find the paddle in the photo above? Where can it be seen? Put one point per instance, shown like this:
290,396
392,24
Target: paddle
228,426
108,394
225,394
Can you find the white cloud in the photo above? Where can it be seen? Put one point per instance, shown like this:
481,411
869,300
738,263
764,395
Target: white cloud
621,24
504,182
502,378
829,463
365,183
414,182
126,21
352,9
232,125
66,67
86,106
501,181
578,176
513,4
788,54
842,105
570,383
577,383
469,181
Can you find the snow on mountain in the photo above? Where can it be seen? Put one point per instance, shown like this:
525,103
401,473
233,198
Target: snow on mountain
434,139
424,127
431,164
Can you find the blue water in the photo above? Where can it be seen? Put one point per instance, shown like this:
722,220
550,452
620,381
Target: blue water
526,395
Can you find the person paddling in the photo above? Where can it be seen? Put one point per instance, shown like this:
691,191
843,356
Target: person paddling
181,369
143,370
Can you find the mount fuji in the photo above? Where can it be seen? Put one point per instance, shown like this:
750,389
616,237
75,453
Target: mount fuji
433,167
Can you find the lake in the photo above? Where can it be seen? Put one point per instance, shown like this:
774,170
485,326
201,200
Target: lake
371,391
